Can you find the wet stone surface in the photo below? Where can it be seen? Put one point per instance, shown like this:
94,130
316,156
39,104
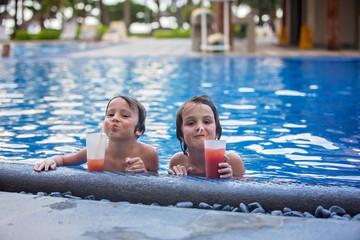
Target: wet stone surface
334,212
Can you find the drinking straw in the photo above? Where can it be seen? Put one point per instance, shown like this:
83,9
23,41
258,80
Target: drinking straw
202,129
102,128
101,134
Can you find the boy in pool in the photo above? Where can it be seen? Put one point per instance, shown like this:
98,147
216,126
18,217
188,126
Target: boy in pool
196,113
124,124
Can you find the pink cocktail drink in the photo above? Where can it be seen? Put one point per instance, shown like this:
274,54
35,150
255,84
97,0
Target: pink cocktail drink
214,154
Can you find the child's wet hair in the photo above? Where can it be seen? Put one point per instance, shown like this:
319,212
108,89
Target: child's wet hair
134,104
179,118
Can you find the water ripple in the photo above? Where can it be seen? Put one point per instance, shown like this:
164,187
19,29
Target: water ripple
305,138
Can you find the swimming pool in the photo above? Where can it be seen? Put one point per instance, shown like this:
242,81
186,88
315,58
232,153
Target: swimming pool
291,119
51,48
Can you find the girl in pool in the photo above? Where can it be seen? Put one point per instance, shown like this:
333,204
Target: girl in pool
124,124
198,113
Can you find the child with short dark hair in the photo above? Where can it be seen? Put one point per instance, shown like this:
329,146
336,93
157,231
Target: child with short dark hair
124,124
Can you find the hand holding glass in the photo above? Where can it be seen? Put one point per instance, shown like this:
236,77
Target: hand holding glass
214,154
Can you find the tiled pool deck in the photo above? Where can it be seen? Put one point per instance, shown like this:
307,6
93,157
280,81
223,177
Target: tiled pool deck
34,217
182,47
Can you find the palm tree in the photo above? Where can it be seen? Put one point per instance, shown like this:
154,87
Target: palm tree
127,13
104,18
157,2
49,9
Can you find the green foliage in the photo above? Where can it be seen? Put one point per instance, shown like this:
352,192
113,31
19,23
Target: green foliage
262,6
116,12
22,35
239,31
101,30
47,34
175,33
188,9
141,35
267,5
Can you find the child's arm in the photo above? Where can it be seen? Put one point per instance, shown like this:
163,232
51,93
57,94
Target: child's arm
66,160
176,165
152,160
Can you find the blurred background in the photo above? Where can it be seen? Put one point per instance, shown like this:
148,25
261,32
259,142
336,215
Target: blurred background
24,19
306,24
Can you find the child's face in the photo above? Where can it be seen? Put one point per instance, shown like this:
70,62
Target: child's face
121,119
195,116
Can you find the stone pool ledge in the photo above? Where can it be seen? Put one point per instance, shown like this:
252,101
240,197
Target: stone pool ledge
169,190
42,217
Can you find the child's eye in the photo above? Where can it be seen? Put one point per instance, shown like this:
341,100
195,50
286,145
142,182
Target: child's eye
125,116
190,123
110,114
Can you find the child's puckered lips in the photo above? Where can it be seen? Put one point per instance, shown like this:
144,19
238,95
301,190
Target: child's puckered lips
114,126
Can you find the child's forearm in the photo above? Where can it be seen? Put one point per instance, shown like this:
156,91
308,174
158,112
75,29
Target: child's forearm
73,159
59,160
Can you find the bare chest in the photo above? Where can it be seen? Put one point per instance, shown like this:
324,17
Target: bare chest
115,164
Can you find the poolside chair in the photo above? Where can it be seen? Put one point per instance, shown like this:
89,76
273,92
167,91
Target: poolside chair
3,35
196,29
69,30
116,33
88,32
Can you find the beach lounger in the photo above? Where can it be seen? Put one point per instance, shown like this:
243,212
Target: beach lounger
88,33
116,33
69,30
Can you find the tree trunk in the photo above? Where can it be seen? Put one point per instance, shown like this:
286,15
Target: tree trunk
159,12
16,26
332,40
104,14
23,25
261,12
283,7
179,17
127,14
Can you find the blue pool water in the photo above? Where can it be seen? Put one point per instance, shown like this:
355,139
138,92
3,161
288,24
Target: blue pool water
291,119
30,49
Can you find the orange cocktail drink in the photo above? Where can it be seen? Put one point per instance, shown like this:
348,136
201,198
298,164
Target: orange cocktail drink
95,151
214,154
96,165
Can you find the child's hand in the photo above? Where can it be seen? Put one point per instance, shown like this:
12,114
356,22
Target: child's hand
135,165
225,169
180,170
49,163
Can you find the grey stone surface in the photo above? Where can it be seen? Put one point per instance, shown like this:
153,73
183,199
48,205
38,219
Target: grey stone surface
43,217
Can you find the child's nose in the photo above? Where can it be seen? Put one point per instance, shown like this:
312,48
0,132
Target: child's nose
116,117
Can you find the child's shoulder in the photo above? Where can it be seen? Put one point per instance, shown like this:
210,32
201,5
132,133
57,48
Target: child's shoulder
143,147
236,163
232,154
178,158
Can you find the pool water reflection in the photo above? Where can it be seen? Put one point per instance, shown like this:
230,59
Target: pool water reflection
291,119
